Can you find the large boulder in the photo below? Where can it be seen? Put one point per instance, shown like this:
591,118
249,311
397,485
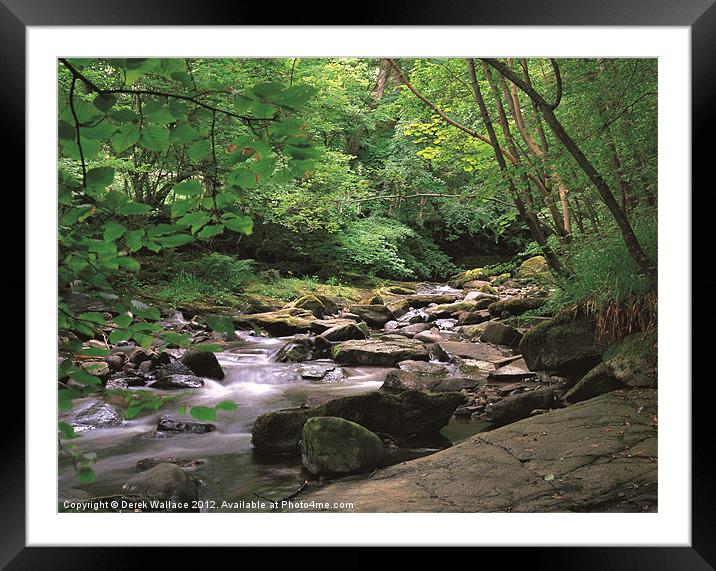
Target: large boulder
419,375
345,332
400,415
633,361
520,406
379,352
445,350
398,308
450,309
281,323
568,348
332,446
203,363
516,306
304,347
470,275
310,303
473,317
91,414
178,382
535,268
596,382
163,482
501,334
414,329
374,315
423,300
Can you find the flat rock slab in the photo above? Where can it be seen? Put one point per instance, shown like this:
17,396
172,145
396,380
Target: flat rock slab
477,351
596,456
386,351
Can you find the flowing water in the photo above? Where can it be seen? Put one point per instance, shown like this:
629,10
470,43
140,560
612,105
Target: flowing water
231,469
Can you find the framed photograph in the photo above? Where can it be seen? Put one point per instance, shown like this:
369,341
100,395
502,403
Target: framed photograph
389,282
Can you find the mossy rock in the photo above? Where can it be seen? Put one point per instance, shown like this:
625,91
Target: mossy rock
502,278
535,269
470,275
596,382
634,360
373,299
487,288
332,446
281,323
310,303
568,348
400,290
516,306
449,309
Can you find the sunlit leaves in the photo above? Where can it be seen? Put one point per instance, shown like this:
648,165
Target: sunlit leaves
125,137
154,138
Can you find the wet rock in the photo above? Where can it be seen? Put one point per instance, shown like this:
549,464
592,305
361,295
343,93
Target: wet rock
327,372
280,431
138,355
483,298
178,382
515,306
144,367
414,316
91,414
472,332
566,348
344,332
414,329
115,362
374,315
147,463
203,363
304,347
596,382
163,481
520,406
500,334
174,368
168,424
333,446
310,303
379,352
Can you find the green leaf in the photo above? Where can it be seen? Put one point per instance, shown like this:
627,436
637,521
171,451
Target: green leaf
220,324
173,338
66,430
134,208
133,410
100,177
123,320
197,151
65,396
85,475
102,130
182,410
189,188
226,405
124,116
175,240
66,131
161,117
119,335
151,313
112,231
202,413
94,352
154,138
240,224
143,340
125,137
104,102
183,133
129,263
93,316
133,240
209,348
211,231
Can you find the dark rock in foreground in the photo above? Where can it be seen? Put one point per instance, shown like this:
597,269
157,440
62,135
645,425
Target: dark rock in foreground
163,482
402,415
521,406
178,382
332,446
596,456
203,363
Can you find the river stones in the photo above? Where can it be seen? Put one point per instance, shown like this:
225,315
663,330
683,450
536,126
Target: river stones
99,369
633,361
345,332
174,368
444,350
398,308
327,372
304,347
164,482
147,463
281,323
374,315
178,382
484,299
501,334
167,424
473,317
399,415
382,352
91,414
516,306
423,300
203,363
332,446
449,309
520,406
310,303
414,329
405,380
567,348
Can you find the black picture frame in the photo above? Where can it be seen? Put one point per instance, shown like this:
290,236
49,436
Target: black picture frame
699,15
